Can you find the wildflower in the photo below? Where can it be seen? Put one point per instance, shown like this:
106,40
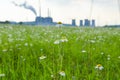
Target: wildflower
108,55
93,48
2,75
41,49
42,57
108,58
26,44
10,35
4,50
59,24
10,49
62,73
10,40
119,57
99,67
83,51
64,39
57,36
92,41
57,42
102,53
52,76
31,44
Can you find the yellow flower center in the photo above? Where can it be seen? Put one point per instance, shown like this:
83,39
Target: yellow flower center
59,22
99,65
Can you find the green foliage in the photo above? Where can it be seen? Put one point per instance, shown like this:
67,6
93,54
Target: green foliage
52,53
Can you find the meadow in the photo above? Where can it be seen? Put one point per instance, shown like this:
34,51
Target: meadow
52,53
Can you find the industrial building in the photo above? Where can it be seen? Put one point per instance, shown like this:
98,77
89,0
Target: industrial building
39,20
87,23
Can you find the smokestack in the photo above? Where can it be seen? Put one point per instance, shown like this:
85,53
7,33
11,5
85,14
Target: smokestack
39,3
93,23
48,13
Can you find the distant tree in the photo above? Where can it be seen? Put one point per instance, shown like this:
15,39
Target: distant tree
20,23
106,26
7,22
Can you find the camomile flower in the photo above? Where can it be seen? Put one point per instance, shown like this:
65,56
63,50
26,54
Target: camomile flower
119,57
108,58
57,42
102,53
62,73
26,44
2,75
83,51
4,50
99,67
42,57
92,41
108,55
52,76
59,24
64,39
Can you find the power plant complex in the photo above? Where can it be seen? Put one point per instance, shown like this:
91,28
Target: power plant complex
85,22
39,20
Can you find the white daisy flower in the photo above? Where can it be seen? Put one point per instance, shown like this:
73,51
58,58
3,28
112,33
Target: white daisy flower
52,76
92,41
119,57
84,51
102,53
2,75
64,39
57,42
4,50
42,57
99,67
62,73
108,55
108,58
26,44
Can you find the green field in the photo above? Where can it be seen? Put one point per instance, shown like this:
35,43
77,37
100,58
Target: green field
52,53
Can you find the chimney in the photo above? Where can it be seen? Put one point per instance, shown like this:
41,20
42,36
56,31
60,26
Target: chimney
81,22
87,22
73,22
39,3
93,23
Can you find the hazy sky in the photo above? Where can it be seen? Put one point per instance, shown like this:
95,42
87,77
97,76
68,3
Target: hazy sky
104,11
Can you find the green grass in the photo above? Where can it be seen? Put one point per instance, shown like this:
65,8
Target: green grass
21,49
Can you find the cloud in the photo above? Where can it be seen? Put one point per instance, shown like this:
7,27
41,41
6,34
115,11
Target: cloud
59,2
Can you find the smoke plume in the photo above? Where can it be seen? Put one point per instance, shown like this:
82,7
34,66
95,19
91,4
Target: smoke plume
26,6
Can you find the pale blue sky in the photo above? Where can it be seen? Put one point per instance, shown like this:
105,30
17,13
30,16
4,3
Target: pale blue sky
104,11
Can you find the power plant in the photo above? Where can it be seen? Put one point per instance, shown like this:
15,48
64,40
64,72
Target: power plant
87,23
39,20
73,22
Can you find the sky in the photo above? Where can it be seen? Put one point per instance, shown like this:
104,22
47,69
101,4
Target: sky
105,12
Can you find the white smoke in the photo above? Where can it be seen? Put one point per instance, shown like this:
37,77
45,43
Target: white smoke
26,6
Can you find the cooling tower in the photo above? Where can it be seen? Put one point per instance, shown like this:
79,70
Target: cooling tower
81,22
73,22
